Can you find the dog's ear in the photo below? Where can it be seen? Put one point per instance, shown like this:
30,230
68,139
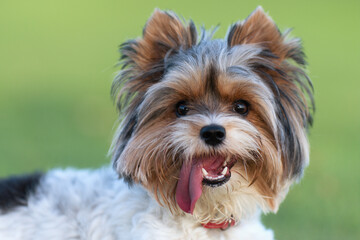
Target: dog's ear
258,28
164,34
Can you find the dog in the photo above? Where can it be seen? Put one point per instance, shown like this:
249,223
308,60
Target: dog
212,134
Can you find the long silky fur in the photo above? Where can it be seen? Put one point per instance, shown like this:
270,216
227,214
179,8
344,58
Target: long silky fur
167,64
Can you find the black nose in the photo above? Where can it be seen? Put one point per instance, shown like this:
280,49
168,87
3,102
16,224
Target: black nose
213,134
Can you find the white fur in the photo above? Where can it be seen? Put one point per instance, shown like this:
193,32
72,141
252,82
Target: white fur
95,204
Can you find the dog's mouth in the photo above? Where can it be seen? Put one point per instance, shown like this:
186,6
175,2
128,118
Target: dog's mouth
214,175
212,171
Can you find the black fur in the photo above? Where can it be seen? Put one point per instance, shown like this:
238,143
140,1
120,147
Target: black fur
292,148
15,191
125,135
211,80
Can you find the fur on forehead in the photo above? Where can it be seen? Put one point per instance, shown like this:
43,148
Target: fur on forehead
254,50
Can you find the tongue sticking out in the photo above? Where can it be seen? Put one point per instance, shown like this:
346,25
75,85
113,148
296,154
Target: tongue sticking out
189,186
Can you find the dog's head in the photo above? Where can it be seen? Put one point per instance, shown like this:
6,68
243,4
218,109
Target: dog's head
216,128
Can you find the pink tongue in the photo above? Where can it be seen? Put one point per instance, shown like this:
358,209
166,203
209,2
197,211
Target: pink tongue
189,186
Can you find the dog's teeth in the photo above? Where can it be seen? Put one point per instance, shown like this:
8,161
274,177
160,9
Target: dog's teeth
204,172
224,171
214,178
226,161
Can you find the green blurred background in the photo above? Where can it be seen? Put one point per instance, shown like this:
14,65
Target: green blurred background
57,62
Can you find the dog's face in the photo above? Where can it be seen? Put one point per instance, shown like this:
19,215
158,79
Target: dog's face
216,128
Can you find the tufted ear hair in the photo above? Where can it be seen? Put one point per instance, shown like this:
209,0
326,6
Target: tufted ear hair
143,63
259,28
163,32
144,59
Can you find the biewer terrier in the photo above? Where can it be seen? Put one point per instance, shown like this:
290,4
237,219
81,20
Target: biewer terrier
213,132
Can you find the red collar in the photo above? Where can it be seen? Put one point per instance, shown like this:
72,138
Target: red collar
223,226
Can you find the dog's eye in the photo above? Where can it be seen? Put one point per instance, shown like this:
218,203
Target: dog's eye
241,107
181,109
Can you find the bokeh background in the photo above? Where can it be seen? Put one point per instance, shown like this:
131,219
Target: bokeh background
57,61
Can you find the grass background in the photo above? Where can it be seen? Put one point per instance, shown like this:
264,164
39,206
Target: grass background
56,68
